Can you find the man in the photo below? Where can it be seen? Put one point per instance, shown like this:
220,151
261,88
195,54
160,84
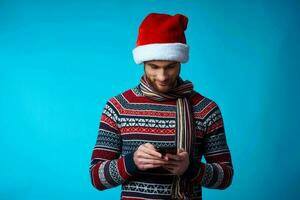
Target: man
140,128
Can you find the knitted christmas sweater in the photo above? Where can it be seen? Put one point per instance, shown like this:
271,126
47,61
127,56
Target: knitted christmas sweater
131,119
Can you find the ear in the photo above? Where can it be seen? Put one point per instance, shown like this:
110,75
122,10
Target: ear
144,67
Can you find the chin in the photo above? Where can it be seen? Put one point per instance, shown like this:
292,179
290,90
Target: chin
163,90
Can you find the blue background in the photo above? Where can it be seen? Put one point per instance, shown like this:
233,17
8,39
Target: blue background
61,60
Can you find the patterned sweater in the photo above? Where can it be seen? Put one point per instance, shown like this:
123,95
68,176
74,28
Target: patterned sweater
131,119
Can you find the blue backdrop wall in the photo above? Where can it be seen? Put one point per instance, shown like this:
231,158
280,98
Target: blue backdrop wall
61,60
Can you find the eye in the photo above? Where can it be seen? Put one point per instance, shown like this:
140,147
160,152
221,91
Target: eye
154,67
172,66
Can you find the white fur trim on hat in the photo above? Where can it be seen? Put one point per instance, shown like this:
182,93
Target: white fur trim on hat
161,51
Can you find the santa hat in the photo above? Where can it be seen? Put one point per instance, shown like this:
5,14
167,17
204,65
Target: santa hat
161,37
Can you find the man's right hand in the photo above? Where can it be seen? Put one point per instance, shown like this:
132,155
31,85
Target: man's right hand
147,157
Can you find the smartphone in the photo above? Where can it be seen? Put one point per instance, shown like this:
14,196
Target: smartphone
165,150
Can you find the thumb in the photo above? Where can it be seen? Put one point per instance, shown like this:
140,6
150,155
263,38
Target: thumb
181,150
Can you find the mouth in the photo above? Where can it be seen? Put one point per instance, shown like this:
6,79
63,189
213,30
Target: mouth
163,84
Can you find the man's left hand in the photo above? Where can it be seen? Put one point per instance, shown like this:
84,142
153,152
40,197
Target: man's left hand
177,164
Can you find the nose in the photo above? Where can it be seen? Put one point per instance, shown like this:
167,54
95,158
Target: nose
162,75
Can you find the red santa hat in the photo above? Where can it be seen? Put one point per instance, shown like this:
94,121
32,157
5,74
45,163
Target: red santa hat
161,37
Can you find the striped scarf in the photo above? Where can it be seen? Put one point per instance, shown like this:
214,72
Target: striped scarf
181,188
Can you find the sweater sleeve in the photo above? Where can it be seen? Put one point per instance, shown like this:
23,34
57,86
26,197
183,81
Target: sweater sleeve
217,172
108,168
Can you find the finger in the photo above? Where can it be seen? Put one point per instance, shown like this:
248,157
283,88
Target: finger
150,146
153,153
144,153
151,161
170,169
172,164
148,156
149,150
173,157
165,158
149,166
181,150
183,154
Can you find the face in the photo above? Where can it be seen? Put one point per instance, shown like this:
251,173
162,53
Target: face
162,75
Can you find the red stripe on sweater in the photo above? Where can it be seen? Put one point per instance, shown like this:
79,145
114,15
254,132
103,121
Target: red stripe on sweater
198,179
206,110
214,126
131,112
109,121
103,154
196,99
226,178
222,157
122,169
141,130
95,177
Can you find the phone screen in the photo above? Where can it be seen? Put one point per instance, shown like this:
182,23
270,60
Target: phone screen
165,150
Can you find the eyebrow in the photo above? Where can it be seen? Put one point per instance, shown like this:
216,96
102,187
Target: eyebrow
162,66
